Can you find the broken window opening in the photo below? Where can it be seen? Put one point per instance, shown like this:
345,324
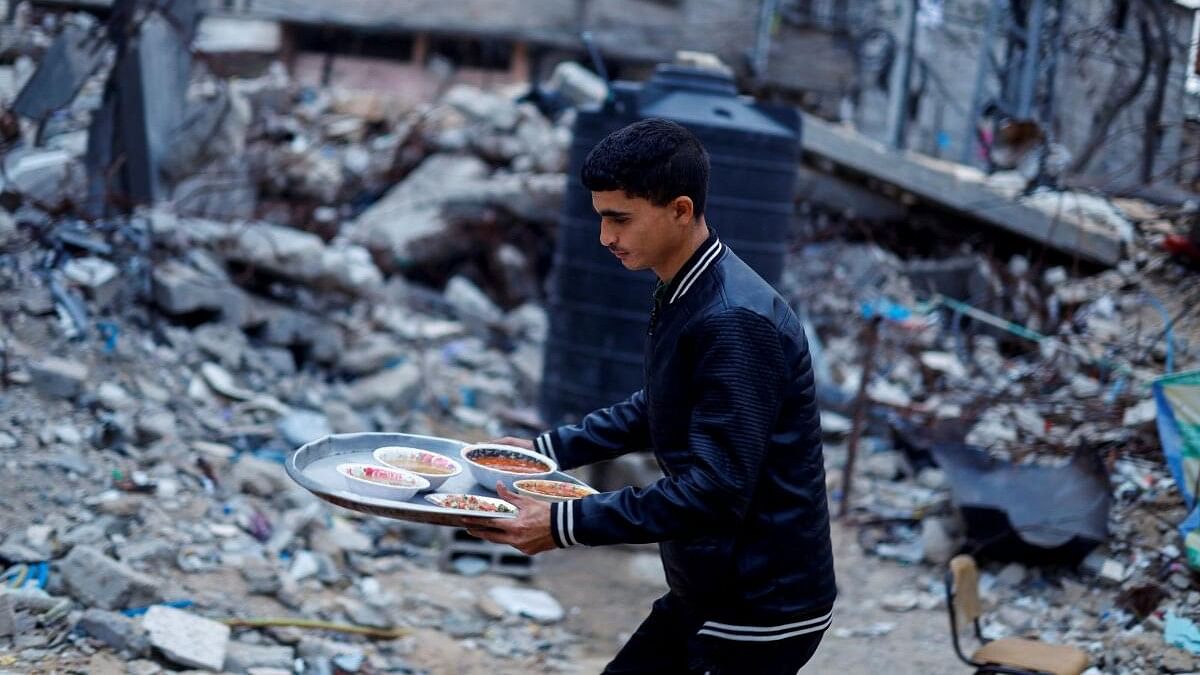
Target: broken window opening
473,53
327,40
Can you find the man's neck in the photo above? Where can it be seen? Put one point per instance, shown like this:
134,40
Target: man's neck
667,271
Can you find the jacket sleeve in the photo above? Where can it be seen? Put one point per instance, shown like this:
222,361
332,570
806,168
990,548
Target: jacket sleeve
603,434
736,387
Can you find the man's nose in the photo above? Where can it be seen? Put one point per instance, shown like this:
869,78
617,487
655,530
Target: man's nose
606,236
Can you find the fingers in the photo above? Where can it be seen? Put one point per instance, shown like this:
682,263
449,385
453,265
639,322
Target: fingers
514,498
478,523
504,493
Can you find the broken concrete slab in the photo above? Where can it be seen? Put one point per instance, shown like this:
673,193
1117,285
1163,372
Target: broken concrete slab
58,378
304,256
214,130
370,354
223,190
259,477
530,603
73,57
577,84
301,426
396,387
278,325
98,277
412,210
187,639
8,228
121,633
97,580
223,383
223,342
8,616
961,189
241,657
470,302
482,107
47,177
180,289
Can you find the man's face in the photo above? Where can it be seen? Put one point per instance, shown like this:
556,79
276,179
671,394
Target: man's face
640,234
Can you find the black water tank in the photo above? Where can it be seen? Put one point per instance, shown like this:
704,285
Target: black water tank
599,311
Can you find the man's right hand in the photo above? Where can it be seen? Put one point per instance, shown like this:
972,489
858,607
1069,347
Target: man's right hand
518,442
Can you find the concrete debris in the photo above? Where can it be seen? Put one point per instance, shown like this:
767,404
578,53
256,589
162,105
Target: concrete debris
180,289
577,84
223,383
396,387
301,426
528,602
303,256
471,303
324,260
58,378
44,178
116,630
99,581
187,639
241,657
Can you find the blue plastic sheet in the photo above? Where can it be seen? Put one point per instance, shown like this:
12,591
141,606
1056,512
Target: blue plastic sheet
1178,402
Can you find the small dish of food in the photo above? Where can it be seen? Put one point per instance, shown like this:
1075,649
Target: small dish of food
490,506
490,463
384,483
551,490
431,466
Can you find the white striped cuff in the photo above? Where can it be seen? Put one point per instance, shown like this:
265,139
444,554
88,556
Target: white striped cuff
562,523
545,445
739,633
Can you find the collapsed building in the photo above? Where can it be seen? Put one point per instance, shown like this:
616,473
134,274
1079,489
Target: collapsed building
282,253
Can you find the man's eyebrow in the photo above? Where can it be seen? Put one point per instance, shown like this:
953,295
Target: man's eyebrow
612,213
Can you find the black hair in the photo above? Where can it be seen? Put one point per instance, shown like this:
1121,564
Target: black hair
654,159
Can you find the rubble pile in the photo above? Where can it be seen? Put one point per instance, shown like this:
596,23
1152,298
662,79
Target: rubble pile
325,262
329,261
1041,379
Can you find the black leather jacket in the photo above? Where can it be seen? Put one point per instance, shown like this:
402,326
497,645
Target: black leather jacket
729,409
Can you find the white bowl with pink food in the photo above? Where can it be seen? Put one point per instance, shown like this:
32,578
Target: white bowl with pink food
381,482
431,466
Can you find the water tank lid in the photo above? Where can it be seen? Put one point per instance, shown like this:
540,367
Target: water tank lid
691,78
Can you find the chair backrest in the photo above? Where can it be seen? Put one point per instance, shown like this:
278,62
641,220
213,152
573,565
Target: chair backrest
965,575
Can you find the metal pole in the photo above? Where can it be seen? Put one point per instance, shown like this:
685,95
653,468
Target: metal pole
1032,58
901,72
971,132
871,340
762,46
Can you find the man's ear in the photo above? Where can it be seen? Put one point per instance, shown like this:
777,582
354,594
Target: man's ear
683,209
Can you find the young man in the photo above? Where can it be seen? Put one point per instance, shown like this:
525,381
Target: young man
728,408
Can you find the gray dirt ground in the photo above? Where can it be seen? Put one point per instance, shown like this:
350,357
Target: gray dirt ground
918,645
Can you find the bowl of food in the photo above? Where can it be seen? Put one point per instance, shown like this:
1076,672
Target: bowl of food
490,463
431,466
381,482
473,503
551,490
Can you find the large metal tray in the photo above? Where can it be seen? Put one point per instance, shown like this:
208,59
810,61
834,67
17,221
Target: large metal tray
313,467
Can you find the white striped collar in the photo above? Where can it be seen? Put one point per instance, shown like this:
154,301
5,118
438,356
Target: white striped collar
687,275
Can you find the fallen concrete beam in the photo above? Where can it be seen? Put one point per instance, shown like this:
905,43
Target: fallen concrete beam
845,197
966,190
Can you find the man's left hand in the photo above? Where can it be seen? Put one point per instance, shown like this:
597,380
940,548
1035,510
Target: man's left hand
529,532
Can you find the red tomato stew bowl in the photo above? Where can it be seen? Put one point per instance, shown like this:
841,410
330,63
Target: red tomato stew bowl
490,463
